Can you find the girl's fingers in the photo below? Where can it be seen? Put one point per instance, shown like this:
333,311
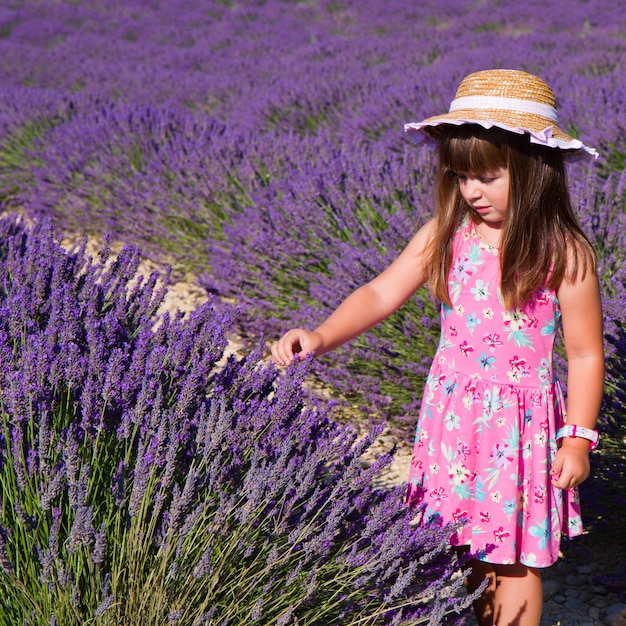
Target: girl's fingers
295,343
284,349
281,356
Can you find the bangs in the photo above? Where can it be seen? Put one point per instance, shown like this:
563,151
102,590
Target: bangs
473,149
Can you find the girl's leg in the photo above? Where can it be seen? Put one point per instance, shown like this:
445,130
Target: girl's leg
484,604
513,596
519,595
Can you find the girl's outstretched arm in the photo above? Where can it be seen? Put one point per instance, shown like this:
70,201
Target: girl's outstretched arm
581,311
363,308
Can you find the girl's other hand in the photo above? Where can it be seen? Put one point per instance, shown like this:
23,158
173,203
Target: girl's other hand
296,341
571,464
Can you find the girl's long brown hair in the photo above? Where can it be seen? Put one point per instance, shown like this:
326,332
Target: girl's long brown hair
542,243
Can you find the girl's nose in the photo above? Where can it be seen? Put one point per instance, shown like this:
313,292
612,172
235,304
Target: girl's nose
471,188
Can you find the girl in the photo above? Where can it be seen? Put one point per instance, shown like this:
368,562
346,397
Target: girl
507,260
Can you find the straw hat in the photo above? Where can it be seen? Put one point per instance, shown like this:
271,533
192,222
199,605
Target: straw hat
509,99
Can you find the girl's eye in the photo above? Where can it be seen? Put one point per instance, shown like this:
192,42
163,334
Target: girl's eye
485,179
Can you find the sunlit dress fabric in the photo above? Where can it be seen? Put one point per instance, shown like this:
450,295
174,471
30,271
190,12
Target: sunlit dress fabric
485,438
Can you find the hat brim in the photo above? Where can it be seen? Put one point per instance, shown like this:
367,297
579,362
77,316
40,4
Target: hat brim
541,130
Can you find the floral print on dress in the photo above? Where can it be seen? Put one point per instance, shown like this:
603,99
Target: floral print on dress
485,437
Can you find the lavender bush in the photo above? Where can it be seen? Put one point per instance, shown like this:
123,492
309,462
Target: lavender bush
146,478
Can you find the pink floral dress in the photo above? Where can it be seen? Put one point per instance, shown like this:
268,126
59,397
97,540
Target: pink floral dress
485,437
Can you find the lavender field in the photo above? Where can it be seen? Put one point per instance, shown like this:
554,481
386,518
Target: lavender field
259,147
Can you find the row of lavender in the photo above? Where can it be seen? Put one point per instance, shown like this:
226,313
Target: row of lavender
261,143
147,479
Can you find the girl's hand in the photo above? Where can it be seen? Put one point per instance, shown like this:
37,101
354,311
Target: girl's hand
296,341
571,464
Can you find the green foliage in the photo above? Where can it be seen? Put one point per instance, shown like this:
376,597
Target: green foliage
45,563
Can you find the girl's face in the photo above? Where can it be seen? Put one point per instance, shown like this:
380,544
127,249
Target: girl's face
487,194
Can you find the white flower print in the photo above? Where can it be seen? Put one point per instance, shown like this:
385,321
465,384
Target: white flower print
496,496
518,370
458,473
515,319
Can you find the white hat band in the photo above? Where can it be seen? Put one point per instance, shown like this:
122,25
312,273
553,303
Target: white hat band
509,104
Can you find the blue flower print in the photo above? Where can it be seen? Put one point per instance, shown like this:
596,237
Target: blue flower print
474,254
528,417
549,328
480,489
483,421
486,362
463,491
452,421
471,319
529,559
449,387
481,291
521,338
510,507
492,402
431,448
575,525
542,532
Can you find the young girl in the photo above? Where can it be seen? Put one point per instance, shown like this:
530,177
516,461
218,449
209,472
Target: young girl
507,260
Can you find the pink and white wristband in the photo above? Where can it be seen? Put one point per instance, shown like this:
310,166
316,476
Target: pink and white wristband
580,431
